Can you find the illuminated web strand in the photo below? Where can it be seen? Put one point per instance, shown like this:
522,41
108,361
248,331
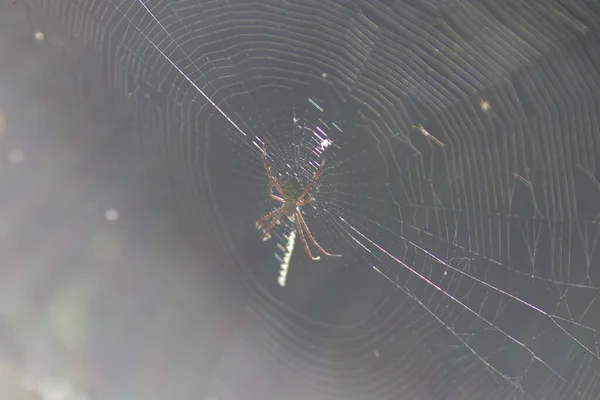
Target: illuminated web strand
420,276
463,342
176,67
324,142
551,317
312,102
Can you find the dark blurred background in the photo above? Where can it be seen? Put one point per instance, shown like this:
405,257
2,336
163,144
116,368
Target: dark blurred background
104,284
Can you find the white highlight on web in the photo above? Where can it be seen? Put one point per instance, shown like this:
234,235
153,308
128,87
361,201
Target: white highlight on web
285,264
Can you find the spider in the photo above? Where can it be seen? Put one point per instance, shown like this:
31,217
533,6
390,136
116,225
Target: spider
293,196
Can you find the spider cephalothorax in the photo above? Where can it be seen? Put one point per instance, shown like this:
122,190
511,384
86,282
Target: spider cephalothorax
293,196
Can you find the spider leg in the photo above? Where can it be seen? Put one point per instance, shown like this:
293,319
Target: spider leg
271,195
268,216
266,235
304,202
269,173
310,236
313,180
299,228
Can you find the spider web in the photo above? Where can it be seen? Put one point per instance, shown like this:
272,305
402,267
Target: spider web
460,186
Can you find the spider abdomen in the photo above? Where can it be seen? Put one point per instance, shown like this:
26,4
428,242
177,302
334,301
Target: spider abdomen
293,196
289,208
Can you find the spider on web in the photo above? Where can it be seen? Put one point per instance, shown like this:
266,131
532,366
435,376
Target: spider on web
293,196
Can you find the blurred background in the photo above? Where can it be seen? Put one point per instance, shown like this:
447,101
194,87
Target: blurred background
461,187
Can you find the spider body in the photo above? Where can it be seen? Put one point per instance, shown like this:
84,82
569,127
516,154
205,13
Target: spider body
292,195
291,192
